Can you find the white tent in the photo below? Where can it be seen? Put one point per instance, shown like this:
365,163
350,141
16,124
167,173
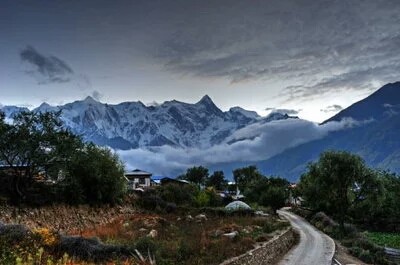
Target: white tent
237,205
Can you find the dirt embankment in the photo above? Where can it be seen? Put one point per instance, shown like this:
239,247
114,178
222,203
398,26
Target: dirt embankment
63,218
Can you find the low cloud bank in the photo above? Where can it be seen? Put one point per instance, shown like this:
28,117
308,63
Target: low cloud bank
255,142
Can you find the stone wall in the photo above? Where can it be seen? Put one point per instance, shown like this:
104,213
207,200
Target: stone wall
268,252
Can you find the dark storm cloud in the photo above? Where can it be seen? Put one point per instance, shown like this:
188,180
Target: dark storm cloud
332,108
317,46
362,79
48,69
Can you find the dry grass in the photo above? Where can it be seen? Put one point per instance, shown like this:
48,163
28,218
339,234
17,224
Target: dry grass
180,240
183,241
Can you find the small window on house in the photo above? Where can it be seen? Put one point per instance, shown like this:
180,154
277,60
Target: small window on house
142,181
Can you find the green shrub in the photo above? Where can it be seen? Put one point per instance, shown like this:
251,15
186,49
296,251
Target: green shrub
355,251
184,251
202,199
365,250
366,256
145,245
178,194
268,227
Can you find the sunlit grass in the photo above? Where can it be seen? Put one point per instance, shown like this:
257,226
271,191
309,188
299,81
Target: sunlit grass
391,240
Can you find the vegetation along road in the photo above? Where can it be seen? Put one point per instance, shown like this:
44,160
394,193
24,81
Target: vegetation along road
314,247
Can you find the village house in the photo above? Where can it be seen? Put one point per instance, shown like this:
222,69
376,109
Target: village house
167,180
138,179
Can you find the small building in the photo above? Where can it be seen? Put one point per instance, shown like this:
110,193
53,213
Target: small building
138,179
166,180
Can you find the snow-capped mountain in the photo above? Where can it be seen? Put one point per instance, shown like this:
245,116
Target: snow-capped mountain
132,124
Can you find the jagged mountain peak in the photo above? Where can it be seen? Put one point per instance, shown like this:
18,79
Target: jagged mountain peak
208,105
44,105
90,100
205,100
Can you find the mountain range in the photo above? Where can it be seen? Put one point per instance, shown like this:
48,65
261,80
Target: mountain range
130,125
372,131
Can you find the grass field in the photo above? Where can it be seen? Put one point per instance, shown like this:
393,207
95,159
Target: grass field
391,240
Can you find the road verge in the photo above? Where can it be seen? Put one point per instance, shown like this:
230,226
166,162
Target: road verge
268,252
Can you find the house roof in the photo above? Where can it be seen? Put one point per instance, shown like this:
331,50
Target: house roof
166,179
138,173
157,177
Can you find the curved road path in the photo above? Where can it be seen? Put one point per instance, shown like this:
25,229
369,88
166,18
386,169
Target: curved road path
314,247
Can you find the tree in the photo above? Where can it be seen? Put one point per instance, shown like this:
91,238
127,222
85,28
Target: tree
335,183
38,142
381,208
275,197
246,177
217,180
197,175
271,192
94,175
35,142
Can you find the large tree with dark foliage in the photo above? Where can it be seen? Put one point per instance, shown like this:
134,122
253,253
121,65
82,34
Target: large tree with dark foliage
38,142
270,192
246,177
197,175
95,175
33,143
217,180
337,182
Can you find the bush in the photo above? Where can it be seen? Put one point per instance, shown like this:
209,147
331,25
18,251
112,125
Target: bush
178,194
145,245
358,245
13,233
269,226
365,250
152,202
202,199
355,251
184,251
211,211
90,248
366,256
324,219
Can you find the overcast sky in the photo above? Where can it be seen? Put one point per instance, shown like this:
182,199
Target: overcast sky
303,56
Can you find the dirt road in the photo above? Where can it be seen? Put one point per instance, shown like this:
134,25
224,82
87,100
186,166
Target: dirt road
314,247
